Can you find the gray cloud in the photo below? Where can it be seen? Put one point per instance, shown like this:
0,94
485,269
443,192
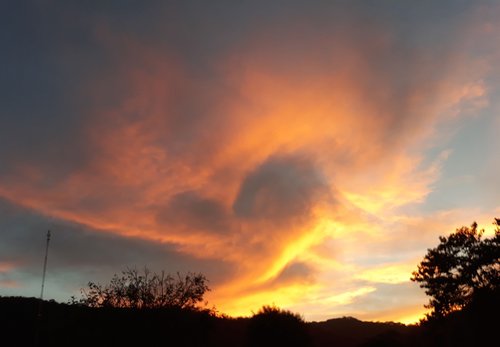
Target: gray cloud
195,212
295,272
280,189
41,113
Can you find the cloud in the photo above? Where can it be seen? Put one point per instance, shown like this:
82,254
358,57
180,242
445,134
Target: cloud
83,254
280,189
138,138
403,302
295,272
195,212
5,269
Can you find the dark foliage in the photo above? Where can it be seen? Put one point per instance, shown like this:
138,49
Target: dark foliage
272,326
460,266
139,290
476,325
390,338
76,325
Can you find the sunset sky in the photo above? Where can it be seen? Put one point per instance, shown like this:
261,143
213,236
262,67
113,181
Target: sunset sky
298,153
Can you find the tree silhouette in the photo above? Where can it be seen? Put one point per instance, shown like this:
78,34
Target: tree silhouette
134,289
272,326
460,266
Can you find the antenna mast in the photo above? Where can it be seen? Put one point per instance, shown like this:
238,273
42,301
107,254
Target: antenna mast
39,316
45,264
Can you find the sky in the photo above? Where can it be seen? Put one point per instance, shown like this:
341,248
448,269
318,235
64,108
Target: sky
298,153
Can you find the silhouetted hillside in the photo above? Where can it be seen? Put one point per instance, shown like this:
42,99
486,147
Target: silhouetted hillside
74,325
349,331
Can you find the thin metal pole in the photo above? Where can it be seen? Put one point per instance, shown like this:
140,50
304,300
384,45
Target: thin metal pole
40,303
45,264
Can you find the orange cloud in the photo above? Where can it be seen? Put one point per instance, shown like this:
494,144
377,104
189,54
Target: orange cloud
6,266
5,269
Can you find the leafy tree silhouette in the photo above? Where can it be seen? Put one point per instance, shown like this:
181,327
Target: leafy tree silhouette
462,265
272,326
146,289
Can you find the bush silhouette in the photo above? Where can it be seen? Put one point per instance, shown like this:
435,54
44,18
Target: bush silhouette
272,326
146,290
